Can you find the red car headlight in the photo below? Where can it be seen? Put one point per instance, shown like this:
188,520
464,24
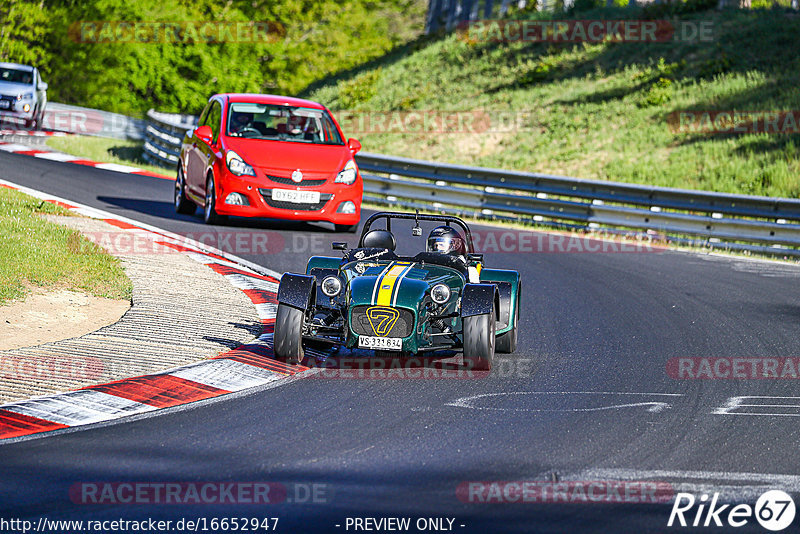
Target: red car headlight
237,165
348,174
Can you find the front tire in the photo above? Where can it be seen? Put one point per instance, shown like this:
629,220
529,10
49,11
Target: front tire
210,215
288,338
479,341
182,204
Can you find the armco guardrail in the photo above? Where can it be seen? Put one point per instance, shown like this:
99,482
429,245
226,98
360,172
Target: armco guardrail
768,223
163,136
762,224
87,121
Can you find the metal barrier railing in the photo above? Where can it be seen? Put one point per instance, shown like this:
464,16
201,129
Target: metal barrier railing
163,135
720,219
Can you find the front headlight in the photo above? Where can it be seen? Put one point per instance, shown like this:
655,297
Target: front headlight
348,174
440,293
237,165
331,286
26,96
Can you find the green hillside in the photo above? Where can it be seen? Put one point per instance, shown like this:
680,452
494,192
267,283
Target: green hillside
598,110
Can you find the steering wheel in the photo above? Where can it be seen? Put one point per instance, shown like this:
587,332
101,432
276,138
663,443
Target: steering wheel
248,129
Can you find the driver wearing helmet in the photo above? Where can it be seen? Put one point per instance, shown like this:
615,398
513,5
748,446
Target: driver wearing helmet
446,240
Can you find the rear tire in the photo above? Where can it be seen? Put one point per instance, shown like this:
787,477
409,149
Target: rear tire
479,341
507,343
288,338
182,204
348,228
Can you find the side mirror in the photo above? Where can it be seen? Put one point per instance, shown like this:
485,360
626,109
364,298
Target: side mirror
204,133
338,246
354,145
43,86
475,256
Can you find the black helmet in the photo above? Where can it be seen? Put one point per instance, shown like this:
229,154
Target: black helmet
445,240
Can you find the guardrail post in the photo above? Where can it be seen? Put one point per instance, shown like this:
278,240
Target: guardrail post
466,10
452,12
434,16
164,135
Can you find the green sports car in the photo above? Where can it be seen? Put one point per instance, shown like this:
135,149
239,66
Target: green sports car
442,299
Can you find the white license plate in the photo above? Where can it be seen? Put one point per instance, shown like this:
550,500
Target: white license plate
5,104
295,197
380,343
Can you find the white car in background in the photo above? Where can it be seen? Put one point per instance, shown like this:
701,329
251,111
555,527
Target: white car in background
23,95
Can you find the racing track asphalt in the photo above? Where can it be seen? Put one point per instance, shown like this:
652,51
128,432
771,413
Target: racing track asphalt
590,323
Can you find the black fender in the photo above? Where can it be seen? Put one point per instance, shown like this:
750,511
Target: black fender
297,290
478,299
504,290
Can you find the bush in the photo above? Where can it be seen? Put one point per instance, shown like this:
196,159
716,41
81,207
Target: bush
322,37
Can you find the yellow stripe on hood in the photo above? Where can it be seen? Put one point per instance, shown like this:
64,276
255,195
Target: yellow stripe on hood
389,281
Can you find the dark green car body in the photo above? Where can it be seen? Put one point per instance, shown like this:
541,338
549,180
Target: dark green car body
413,294
371,298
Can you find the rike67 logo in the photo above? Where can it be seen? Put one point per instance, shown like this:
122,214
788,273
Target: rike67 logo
774,510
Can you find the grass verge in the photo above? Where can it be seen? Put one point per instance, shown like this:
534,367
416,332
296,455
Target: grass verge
38,252
105,151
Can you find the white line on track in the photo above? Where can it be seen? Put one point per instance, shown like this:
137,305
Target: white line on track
471,402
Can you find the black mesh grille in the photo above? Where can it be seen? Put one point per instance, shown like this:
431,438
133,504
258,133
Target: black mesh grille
282,204
288,181
403,327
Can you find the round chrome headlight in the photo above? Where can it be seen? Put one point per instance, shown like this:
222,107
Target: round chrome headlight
331,286
440,293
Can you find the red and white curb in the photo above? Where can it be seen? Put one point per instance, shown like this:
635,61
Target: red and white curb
52,155
247,366
32,133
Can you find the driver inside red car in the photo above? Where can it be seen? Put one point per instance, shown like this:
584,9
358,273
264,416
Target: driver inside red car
241,121
295,125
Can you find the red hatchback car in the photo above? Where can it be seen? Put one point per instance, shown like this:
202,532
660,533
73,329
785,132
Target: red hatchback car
269,156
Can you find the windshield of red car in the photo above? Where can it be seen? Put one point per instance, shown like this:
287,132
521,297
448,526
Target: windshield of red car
282,123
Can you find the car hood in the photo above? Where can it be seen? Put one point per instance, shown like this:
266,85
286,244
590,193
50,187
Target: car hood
288,156
408,290
14,89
